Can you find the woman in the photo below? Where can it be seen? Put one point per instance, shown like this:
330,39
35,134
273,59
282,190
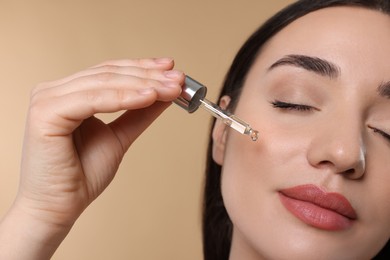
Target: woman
314,83
303,79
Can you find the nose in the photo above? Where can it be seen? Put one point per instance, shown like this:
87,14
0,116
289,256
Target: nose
340,150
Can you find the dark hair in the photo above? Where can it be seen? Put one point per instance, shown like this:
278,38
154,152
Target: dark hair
217,226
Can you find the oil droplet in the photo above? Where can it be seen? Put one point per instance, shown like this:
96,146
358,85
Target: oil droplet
254,135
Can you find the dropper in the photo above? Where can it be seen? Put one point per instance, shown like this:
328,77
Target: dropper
193,96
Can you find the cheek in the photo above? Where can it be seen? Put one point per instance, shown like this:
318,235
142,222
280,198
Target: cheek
374,200
253,172
245,186
274,158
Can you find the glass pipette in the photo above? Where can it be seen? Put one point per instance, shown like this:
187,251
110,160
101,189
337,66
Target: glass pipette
193,96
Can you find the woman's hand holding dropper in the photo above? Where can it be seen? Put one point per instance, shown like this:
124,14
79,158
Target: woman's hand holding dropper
70,156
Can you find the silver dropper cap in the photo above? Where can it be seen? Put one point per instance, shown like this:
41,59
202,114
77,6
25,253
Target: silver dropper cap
192,94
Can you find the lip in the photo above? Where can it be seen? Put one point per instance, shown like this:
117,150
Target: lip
318,208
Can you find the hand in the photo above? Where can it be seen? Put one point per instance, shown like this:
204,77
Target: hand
70,156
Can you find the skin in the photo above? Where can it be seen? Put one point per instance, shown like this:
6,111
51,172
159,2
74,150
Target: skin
334,145
69,156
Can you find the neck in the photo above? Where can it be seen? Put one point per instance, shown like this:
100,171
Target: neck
241,249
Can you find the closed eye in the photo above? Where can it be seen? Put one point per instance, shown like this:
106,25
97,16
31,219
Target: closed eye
382,133
291,106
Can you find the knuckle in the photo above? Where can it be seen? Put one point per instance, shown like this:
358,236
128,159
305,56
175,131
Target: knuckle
143,63
37,92
147,73
121,96
38,108
109,68
104,77
148,83
104,63
92,96
38,88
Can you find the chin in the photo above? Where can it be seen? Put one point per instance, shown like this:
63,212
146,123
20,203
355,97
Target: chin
303,249
279,235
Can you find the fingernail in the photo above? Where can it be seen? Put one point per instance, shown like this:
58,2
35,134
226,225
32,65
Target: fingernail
163,60
173,74
170,84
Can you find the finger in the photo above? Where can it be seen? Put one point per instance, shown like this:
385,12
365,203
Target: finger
62,114
132,123
112,81
106,77
158,64
142,63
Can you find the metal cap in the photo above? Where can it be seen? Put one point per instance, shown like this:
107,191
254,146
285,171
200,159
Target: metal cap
192,93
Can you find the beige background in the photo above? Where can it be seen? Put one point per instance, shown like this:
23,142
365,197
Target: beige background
152,208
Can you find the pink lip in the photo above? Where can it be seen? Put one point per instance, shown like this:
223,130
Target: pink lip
317,208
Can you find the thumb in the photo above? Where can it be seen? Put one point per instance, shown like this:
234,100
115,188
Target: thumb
132,123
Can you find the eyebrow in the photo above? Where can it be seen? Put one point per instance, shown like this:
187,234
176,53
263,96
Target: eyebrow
314,64
384,90
323,68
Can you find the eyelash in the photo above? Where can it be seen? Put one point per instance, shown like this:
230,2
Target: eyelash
291,106
299,107
385,135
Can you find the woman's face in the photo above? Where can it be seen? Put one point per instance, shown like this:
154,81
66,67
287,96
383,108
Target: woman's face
316,183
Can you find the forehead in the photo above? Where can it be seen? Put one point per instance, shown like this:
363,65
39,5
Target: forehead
355,38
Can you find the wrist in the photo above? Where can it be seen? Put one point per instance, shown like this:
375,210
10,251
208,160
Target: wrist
24,235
